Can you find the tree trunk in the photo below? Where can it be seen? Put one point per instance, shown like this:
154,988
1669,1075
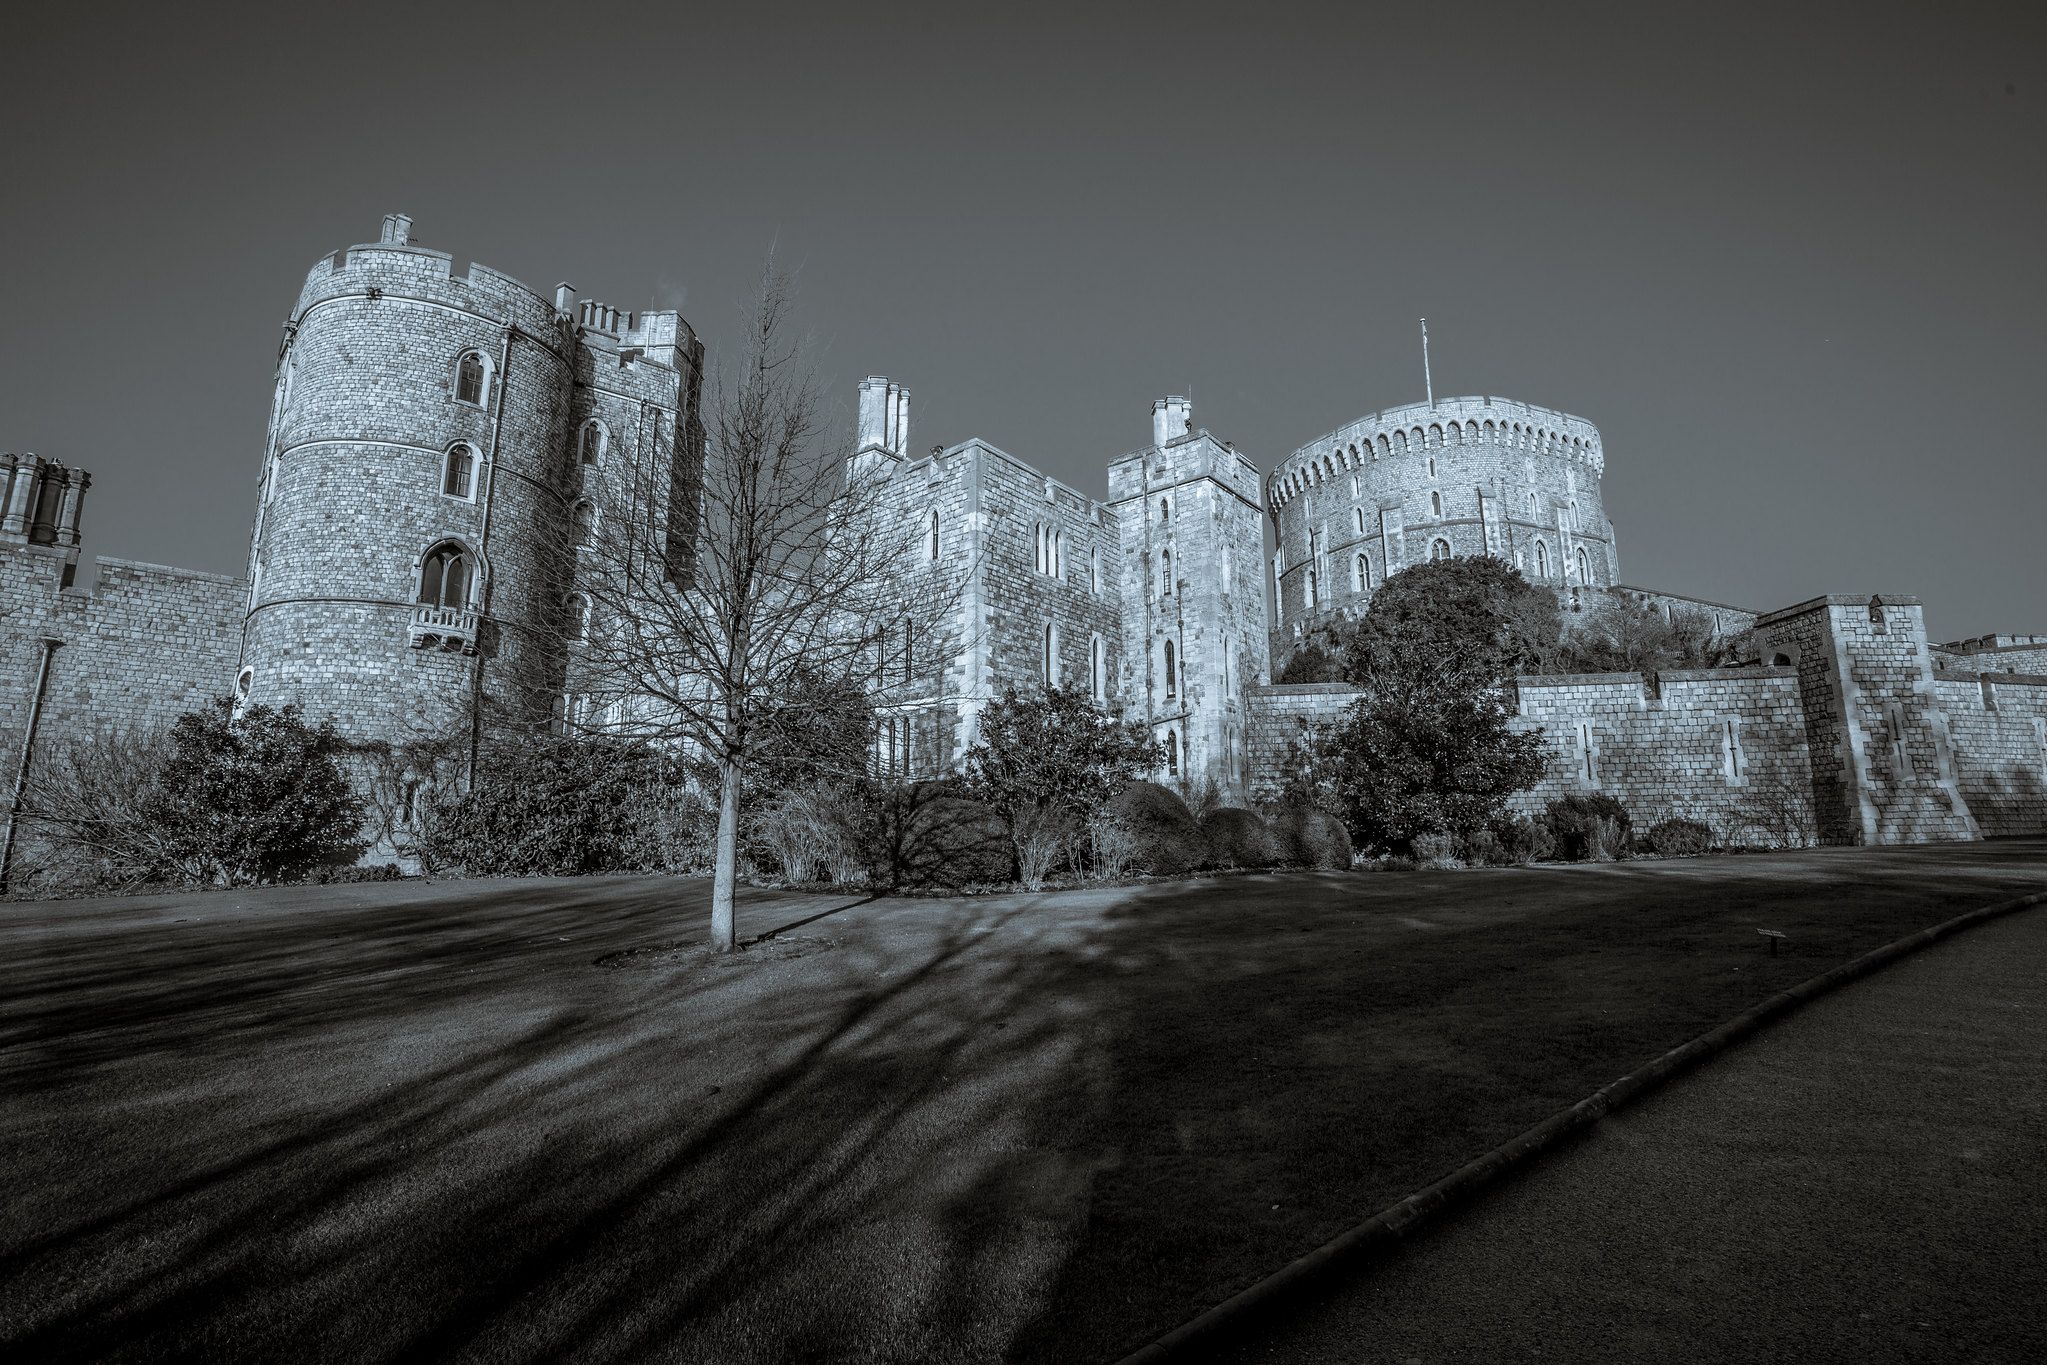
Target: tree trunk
725,882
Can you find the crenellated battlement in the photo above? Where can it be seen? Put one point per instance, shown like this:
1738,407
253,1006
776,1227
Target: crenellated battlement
1445,424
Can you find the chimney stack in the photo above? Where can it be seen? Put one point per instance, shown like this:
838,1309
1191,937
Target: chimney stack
1171,418
397,230
884,416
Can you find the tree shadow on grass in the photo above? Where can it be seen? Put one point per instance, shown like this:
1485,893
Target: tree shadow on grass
1031,1127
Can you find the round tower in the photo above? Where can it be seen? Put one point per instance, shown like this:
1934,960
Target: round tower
1448,479
405,567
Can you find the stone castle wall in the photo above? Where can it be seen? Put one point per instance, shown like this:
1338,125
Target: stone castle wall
1998,725
1995,653
142,646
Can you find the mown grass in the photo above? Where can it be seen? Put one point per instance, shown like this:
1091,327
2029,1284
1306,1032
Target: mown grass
383,1123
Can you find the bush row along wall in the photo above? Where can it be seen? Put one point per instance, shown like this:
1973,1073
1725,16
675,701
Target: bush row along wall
146,644
1998,725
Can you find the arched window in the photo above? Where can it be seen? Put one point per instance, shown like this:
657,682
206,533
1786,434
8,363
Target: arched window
1358,519
579,616
1436,504
1439,548
1541,560
584,513
472,378
1097,668
1435,439
444,576
595,439
1432,466
1584,570
1094,570
1354,483
931,546
1051,654
909,649
1172,672
1165,510
1172,753
458,471
1165,573
1361,574
1278,596
1308,587
1058,554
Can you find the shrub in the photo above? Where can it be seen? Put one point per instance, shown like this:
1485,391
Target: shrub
1111,845
1438,850
918,834
1574,824
1678,837
1311,837
1167,836
339,875
1520,840
1238,838
800,833
563,805
1482,848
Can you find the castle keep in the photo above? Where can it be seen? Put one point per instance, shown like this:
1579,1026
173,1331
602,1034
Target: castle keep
436,444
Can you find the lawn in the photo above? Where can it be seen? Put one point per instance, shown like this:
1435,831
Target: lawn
464,1121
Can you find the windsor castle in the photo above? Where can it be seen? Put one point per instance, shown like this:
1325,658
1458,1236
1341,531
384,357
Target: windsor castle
431,436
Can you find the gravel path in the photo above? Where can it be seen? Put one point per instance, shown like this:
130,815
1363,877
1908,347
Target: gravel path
1863,1182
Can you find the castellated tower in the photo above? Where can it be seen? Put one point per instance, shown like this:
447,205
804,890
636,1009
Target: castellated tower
1192,591
1457,477
435,442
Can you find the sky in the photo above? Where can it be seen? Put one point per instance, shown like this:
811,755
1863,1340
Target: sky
1790,261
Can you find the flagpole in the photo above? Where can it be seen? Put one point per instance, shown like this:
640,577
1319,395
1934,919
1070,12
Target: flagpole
1428,383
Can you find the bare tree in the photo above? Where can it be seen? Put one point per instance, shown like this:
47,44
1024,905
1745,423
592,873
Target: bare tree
798,569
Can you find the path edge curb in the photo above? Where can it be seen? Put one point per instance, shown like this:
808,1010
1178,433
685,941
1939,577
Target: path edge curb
1395,1222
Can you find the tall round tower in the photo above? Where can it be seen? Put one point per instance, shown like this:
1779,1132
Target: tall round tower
431,441
1453,478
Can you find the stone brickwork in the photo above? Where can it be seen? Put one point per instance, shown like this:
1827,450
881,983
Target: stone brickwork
1723,746
1998,725
392,371
1453,478
1283,715
1882,763
1192,589
143,645
1994,653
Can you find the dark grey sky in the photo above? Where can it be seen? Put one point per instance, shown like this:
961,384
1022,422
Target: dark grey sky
1792,263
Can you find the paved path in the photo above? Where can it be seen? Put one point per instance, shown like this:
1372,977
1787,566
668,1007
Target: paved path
1865,1181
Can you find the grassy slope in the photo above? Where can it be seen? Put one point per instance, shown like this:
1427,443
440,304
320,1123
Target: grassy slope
381,1123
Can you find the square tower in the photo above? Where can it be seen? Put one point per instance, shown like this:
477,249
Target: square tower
1192,587
1883,768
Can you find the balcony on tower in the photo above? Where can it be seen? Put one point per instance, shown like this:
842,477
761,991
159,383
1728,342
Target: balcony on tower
452,630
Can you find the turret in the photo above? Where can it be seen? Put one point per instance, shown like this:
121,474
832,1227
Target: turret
883,434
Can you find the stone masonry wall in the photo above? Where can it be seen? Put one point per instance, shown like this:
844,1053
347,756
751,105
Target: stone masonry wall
1726,747
1998,725
144,645
1282,714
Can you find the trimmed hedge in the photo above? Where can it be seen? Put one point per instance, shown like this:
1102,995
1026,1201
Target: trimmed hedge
1678,837
1574,820
1311,837
1239,838
1169,839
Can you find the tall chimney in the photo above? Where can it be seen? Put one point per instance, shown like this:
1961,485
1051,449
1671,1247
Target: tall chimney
873,433
564,298
899,434
1171,418
397,230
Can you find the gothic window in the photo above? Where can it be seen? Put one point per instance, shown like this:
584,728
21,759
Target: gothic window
584,514
1354,491
458,471
594,440
1058,553
1172,672
1439,548
1097,669
1436,505
909,650
1584,566
1172,753
1541,560
579,616
444,576
1165,510
472,378
1051,654
1432,466
1094,570
1361,574
1358,519
931,537
1165,573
